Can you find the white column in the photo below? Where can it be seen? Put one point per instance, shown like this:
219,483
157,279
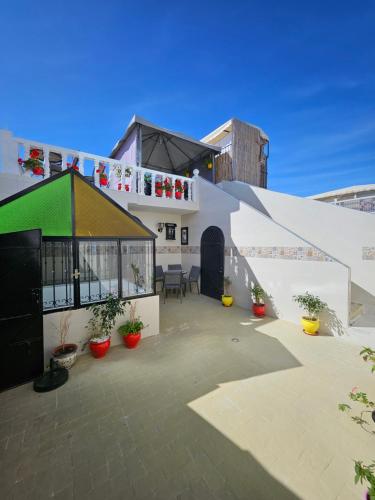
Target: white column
81,164
64,158
194,187
142,183
96,173
47,171
153,180
8,152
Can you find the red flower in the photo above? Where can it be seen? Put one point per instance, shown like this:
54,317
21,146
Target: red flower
20,161
68,165
76,168
34,153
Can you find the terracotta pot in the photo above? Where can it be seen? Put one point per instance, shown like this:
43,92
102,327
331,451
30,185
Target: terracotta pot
99,349
178,195
103,181
38,171
259,310
168,194
66,355
131,340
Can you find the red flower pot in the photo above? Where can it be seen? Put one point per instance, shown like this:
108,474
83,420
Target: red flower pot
76,168
103,181
131,340
159,192
126,187
38,171
99,349
178,195
259,310
168,194
119,185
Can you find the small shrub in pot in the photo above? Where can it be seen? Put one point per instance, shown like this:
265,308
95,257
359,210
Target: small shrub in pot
65,354
312,305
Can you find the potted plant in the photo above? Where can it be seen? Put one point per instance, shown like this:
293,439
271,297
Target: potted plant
168,187
117,170
33,163
258,295
65,354
131,331
313,306
128,173
226,298
101,324
73,165
179,189
147,187
158,188
103,179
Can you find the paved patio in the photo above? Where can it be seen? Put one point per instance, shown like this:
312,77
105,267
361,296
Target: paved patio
193,415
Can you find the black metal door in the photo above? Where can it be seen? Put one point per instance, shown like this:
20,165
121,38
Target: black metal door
21,320
212,262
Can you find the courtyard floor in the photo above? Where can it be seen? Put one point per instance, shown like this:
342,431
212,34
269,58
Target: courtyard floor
192,414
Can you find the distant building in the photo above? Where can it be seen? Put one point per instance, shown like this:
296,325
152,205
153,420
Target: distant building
244,152
356,197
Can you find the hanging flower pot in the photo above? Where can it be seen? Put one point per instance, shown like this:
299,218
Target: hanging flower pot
127,188
178,195
103,181
100,346
168,194
119,185
179,189
158,189
38,170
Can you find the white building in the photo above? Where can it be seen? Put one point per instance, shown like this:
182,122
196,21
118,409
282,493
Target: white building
357,197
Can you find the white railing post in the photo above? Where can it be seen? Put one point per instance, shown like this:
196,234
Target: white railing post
64,159
8,152
153,180
193,191
96,173
142,181
47,171
81,164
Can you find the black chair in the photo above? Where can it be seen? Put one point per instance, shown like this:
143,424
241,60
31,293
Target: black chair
159,276
193,277
174,267
173,281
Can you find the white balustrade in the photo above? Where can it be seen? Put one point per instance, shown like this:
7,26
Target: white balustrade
11,148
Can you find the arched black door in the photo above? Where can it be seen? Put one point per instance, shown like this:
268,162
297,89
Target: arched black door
212,262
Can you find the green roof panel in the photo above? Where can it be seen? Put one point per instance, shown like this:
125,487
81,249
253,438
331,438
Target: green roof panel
47,207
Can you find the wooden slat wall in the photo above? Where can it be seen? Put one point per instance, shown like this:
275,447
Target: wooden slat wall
223,168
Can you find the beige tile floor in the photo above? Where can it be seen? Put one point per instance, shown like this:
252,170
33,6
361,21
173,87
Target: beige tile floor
193,415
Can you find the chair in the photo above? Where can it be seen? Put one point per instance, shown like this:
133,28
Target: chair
159,276
193,277
173,281
174,267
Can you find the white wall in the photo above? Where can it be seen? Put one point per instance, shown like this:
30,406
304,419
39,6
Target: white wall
338,231
245,227
147,309
167,251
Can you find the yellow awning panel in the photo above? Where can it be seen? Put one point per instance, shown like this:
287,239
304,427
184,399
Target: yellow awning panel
96,216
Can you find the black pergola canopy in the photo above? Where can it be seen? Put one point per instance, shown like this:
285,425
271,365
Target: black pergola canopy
163,149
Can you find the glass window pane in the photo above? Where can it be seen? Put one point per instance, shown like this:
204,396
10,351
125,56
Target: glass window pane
137,260
57,270
98,267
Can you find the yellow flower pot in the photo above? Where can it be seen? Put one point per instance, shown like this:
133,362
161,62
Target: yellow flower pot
227,300
310,326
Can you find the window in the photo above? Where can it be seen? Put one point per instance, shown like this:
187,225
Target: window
57,270
137,263
98,266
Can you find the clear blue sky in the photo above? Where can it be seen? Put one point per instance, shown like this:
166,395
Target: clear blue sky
73,73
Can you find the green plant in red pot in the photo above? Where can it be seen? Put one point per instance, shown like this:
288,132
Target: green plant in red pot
179,189
168,187
258,296
102,322
158,189
131,331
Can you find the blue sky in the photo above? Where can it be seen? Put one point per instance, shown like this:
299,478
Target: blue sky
73,73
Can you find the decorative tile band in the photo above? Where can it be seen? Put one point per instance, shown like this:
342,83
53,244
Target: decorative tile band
287,253
368,253
168,249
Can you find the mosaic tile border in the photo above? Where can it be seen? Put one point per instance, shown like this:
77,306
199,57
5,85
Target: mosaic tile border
286,253
368,253
165,249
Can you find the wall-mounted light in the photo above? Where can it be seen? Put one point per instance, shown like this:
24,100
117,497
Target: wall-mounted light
160,227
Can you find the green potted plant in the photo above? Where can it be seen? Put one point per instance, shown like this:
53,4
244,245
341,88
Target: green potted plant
179,189
65,354
131,331
33,163
226,298
168,187
258,296
208,162
313,306
147,184
128,174
101,324
117,170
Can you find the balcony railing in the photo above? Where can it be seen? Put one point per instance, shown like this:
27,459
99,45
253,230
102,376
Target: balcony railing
364,204
106,173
